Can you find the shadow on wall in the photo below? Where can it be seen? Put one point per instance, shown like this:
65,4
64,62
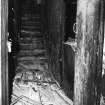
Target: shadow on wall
103,70
11,67
68,82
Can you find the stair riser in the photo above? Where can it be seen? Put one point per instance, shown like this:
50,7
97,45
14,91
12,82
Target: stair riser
31,39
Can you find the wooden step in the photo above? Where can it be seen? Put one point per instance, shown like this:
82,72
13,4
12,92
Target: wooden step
32,29
31,34
32,52
30,18
36,51
33,61
31,23
32,58
31,41
36,56
30,10
30,47
31,26
36,66
30,6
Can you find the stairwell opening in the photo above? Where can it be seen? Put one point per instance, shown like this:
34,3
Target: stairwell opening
69,46
26,38
14,27
70,19
37,29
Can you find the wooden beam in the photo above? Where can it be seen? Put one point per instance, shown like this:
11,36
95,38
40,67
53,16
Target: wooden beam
0,61
4,52
56,34
88,59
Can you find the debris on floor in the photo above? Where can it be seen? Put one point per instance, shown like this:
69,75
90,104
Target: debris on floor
37,88
33,84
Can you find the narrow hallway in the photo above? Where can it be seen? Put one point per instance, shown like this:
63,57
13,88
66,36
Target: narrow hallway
33,53
33,83
52,52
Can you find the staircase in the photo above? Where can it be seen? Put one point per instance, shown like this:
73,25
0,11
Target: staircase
33,53
33,83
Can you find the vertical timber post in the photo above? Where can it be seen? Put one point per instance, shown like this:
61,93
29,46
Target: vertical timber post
4,53
88,58
0,61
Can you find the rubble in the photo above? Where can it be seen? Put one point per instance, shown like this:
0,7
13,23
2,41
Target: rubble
38,88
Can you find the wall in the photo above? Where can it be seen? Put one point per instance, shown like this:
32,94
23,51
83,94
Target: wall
56,32
0,53
88,57
103,72
4,54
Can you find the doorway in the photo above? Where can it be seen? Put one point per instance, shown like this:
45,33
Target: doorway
18,32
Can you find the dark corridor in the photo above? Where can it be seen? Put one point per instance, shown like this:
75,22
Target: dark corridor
36,33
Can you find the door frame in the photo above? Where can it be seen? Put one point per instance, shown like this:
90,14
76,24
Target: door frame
4,54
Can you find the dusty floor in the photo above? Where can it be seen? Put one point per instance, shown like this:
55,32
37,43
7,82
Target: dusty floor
37,88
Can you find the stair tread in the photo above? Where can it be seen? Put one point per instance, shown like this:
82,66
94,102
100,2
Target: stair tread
30,39
31,48
30,32
32,58
32,29
36,36
36,61
31,22
31,42
30,62
33,53
30,25
31,35
36,67
30,16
